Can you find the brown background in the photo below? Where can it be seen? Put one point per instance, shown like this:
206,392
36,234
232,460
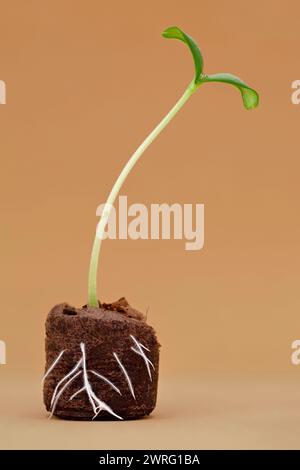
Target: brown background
86,81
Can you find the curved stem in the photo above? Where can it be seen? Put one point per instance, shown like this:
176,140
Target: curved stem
92,283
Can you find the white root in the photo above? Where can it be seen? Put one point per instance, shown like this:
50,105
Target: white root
76,393
105,379
80,368
141,353
75,368
125,374
96,403
62,391
102,406
94,400
53,365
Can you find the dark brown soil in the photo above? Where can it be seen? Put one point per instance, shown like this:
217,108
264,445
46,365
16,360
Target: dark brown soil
103,331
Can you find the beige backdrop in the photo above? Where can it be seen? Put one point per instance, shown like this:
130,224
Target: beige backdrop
86,81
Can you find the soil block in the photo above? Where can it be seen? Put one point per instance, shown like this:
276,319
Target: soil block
101,363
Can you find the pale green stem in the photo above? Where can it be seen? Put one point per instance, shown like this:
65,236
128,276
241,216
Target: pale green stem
92,284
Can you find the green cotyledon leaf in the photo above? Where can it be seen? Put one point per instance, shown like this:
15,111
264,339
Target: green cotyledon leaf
176,33
249,95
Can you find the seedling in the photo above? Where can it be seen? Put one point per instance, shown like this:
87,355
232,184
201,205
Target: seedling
109,350
250,100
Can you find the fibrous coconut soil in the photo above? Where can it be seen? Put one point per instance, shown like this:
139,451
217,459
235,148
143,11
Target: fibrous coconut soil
101,363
